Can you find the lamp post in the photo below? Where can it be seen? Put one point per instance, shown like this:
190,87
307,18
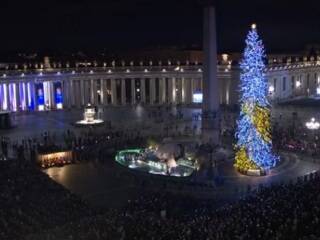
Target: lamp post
271,91
313,125
298,87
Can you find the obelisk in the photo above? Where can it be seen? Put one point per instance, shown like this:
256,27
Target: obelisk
210,107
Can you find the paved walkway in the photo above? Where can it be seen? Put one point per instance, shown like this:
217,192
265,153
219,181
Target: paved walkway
33,124
110,185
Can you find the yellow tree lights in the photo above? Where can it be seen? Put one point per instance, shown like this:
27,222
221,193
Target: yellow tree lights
254,145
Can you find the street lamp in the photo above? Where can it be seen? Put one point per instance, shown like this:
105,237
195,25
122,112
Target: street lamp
313,124
271,89
298,84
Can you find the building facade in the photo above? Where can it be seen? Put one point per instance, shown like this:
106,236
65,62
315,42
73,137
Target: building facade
48,86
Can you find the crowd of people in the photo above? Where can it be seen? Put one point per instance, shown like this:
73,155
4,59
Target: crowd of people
35,207
30,201
296,139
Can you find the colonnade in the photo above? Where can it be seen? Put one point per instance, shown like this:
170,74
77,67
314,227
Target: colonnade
125,91
75,89
78,91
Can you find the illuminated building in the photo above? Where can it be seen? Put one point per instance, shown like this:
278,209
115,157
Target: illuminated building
123,83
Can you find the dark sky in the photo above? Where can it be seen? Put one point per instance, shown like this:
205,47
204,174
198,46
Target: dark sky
114,25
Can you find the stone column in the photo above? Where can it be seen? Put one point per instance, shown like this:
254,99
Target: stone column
5,97
26,95
7,90
184,91
65,93
93,92
133,91
152,90
1,97
172,90
168,90
65,87
88,90
180,86
82,92
178,90
113,92
4,103
188,97
52,95
123,91
210,107
143,89
227,91
72,93
34,96
77,93
102,91
163,90
68,81
17,97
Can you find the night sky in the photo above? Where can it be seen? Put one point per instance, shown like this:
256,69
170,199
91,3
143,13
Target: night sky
119,25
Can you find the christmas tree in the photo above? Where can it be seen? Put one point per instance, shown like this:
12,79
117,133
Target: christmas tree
254,145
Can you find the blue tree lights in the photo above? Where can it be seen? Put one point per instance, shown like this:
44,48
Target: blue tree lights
254,145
